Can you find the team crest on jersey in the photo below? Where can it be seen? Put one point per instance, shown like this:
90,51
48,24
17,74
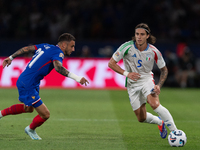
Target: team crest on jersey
33,97
61,55
117,54
148,57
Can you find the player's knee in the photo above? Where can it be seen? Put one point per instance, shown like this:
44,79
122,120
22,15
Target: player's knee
29,109
46,115
155,104
141,120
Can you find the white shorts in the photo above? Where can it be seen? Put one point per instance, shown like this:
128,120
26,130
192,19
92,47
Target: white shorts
138,94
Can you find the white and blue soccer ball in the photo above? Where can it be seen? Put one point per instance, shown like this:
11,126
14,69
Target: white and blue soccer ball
177,138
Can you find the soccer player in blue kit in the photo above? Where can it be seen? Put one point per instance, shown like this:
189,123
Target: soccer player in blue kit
46,57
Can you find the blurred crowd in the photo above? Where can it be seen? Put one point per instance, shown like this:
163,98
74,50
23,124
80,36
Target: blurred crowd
183,67
98,19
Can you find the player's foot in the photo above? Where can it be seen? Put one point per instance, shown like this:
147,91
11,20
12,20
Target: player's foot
32,133
163,130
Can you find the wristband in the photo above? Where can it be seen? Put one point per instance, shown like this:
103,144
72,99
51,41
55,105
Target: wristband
125,73
75,77
11,58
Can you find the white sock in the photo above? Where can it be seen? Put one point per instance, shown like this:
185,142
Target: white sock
0,115
166,117
152,119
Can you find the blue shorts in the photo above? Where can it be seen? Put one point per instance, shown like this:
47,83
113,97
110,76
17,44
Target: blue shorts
30,97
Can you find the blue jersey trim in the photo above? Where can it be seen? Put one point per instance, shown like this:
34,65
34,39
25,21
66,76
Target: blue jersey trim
145,49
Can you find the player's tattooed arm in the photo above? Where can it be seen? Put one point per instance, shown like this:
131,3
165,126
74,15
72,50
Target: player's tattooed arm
24,50
8,60
163,76
60,69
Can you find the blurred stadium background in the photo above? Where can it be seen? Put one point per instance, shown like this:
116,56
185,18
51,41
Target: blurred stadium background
100,119
101,26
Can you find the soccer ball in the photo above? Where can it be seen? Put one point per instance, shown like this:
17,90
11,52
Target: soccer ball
177,138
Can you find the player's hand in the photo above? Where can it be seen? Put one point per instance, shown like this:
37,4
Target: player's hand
157,89
84,81
6,62
133,76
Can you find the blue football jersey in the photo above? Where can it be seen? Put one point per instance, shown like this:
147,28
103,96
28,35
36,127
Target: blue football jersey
40,65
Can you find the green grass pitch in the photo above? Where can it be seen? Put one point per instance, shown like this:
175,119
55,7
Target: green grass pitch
98,120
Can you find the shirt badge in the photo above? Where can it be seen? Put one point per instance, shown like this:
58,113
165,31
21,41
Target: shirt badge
148,57
117,54
61,55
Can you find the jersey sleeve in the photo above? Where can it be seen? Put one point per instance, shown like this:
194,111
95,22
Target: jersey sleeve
37,46
121,51
57,55
159,59
52,52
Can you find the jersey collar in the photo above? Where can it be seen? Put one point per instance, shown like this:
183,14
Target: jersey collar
144,50
57,46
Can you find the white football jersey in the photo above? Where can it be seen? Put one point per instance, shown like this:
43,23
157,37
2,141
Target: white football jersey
141,62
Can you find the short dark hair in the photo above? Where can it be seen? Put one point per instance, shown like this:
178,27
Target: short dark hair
66,37
151,39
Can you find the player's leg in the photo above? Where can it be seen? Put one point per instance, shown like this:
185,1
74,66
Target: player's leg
16,109
146,117
19,108
43,112
43,115
141,113
164,114
34,100
146,90
154,103
138,103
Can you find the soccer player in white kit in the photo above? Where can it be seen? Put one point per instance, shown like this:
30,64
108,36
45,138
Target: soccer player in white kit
138,57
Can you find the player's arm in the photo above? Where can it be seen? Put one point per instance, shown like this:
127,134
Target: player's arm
115,67
63,71
21,51
163,77
60,69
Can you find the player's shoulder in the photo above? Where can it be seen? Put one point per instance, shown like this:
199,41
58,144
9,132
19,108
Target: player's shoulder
154,49
45,46
126,45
